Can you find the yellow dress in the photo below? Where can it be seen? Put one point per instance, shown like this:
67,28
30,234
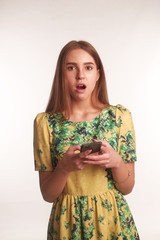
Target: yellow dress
90,206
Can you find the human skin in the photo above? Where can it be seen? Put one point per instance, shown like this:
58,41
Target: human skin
81,75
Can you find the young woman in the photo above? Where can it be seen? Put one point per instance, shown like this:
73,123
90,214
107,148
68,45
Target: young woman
86,188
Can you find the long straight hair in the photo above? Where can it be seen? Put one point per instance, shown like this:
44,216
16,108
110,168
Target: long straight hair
60,99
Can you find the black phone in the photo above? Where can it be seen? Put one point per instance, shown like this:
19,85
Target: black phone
94,146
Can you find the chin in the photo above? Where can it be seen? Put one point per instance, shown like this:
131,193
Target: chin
84,98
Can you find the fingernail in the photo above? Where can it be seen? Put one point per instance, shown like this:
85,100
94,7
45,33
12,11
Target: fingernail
89,151
84,161
100,152
86,156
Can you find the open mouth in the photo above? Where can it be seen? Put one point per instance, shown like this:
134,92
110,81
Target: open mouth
81,86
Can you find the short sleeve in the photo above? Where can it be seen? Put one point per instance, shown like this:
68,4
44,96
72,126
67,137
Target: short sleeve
126,139
42,154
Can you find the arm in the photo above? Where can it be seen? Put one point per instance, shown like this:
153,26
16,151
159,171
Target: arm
53,178
52,183
111,159
124,177
121,162
126,151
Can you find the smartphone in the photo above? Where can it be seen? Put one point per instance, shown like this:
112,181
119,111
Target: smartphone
95,147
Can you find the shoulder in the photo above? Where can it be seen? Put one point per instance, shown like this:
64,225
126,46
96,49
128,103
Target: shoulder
118,113
41,119
117,110
122,111
47,120
123,115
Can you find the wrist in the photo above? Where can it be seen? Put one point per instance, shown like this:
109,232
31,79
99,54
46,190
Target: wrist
119,162
62,169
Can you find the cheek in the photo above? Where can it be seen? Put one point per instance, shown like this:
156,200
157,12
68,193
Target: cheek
95,82
93,85
69,76
67,79
95,79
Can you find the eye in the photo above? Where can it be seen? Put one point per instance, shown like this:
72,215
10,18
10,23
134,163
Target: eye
70,68
89,68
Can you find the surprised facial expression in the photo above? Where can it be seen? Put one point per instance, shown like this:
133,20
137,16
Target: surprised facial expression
81,74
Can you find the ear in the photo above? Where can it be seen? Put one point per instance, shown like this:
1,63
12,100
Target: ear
98,74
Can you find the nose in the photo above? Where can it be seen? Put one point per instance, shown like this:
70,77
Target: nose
80,74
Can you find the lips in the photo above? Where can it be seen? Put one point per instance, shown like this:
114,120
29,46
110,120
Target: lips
80,86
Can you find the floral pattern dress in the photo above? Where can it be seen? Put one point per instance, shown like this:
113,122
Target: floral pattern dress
90,206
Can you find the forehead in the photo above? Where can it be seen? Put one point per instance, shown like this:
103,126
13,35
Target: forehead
79,56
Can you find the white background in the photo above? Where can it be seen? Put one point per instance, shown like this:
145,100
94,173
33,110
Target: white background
126,33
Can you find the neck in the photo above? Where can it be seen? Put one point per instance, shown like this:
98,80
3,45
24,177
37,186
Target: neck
83,110
82,106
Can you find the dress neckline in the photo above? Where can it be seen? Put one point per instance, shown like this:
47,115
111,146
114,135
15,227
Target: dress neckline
60,116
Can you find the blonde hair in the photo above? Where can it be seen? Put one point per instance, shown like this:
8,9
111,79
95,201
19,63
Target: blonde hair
60,100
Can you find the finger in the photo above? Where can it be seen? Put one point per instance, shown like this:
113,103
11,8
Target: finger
104,149
100,163
85,154
99,157
74,148
94,154
104,166
96,140
104,143
82,166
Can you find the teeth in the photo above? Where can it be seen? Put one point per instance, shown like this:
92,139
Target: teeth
81,86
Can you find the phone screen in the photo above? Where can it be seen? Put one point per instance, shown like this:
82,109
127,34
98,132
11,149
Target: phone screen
95,147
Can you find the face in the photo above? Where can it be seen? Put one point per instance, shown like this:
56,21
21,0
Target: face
81,74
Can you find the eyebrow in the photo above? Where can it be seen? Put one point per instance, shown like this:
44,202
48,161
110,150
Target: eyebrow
73,63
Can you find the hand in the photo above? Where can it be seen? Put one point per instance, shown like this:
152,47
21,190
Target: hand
73,161
108,158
